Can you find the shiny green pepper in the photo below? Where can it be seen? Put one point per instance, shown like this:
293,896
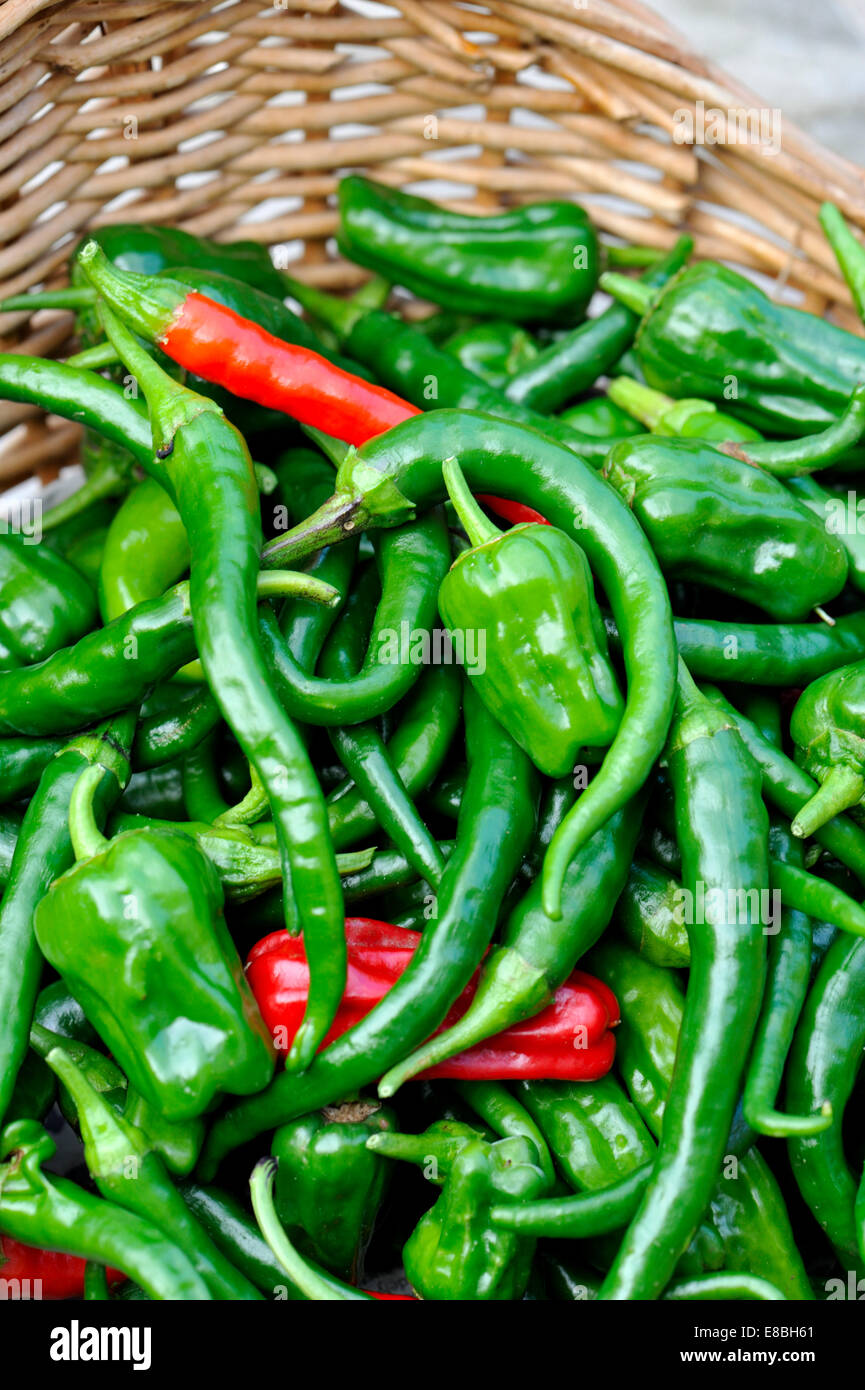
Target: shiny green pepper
542,663
45,602
493,350
719,521
690,418
136,930
329,1185
539,261
455,1252
601,417
828,729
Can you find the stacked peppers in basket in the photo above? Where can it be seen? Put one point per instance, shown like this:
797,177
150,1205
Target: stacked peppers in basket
436,744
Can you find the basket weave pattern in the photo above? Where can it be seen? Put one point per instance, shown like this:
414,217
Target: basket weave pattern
236,120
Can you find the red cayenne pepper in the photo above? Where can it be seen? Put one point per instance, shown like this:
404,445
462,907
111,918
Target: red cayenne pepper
569,1040
222,347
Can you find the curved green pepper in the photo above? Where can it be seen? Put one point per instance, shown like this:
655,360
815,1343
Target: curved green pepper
545,671
329,1185
136,931
534,262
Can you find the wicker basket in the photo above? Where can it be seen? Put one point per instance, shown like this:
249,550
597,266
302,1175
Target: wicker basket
231,119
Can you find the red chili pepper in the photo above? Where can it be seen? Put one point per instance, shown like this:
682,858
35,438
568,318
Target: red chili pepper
44,1274
569,1040
391,1297
517,513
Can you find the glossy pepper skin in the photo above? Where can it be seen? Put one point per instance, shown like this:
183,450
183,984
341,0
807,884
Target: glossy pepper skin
138,935
828,728
329,1185
710,327
455,1252
493,350
719,521
45,603
535,262
546,674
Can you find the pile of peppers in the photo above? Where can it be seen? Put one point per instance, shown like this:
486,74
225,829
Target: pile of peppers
436,740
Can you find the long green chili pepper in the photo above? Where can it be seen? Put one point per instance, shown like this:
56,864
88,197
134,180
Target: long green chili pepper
787,979
127,1171
725,1286
160,738
416,750
824,1062
573,363
54,1213
709,766
205,465
43,852
313,1283
414,560
580,1216
22,762
496,821
390,476
364,756
536,954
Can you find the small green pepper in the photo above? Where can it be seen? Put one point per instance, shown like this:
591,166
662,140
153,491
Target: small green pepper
829,733
544,671
136,931
602,417
719,521
455,1252
329,1185
45,602
493,350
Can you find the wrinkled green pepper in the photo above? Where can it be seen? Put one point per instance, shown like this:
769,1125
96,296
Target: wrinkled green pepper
719,521
544,671
329,1185
136,931
534,262
828,728
45,602
455,1252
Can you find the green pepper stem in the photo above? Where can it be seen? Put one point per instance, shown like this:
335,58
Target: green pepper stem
87,838
296,584
146,301
787,457
842,788
419,1149
154,382
73,297
336,450
479,529
372,294
645,404
340,315
95,1282
95,357
253,806
633,255
313,1285
849,253
634,294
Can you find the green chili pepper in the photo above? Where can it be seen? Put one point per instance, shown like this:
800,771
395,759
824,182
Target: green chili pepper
689,419
709,765
10,829
455,1252
146,550
468,263
506,1117
44,850
135,929
128,1172
574,362
206,467
329,1185
311,1282
45,602
390,476
720,522
50,1212
414,560
496,821
161,738
22,762
649,914
536,954
601,417
824,1061
848,252
592,1213
528,593
710,332
493,350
